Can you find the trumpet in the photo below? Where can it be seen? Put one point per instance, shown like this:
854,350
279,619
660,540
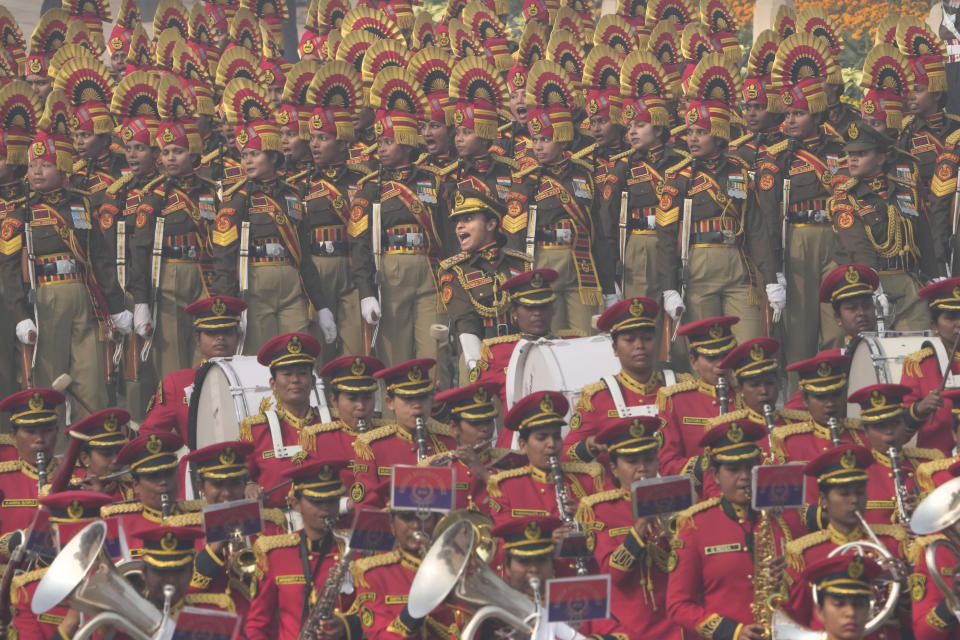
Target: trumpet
834,425
450,456
420,431
41,461
721,388
900,496
769,420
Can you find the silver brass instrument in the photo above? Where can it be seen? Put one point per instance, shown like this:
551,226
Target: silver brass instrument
939,512
722,398
486,544
242,564
41,461
164,505
326,603
83,577
452,572
900,497
420,431
450,456
535,590
834,426
562,499
362,425
770,422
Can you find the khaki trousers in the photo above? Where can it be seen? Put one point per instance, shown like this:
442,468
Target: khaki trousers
640,266
908,312
808,325
408,302
337,279
276,304
68,342
174,346
569,310
718,287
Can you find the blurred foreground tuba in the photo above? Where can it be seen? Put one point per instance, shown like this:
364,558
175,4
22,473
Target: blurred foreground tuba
452,572
939,512
84,578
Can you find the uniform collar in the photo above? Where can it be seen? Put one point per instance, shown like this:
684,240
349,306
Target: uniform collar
30,470
331,171
822,431
408,560
654,154
735,511
479,163
151,514
489,251
557,168
934,121
52,197
706,389
11,190
642,388
713,163
881,458
539,475
839,538
292,420
266,187
139,181
398,174
315,546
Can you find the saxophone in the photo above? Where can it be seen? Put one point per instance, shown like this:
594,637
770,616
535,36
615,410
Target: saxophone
323,608
766,586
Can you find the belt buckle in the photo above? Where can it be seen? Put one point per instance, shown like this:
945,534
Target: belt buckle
328,247
65,266
190,252
413,239
564,236
502,329
272,250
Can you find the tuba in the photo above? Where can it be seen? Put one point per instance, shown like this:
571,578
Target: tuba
452,572
939,512
83,576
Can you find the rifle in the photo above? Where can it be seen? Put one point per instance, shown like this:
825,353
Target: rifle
685,227
376,242
156,265
29,352
531,242
243,274
132,364
955,217
624,207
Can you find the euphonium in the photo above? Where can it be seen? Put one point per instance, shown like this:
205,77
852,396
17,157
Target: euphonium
900,495
420,431
939,512
766,584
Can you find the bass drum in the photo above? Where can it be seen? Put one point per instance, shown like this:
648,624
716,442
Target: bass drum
877,358
227,390
558,365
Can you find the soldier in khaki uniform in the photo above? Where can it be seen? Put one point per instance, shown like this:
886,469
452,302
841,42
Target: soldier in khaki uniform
337,92
809,158
761,106
877,217
186,203
86,306
410,232
730,258
550,211
471,281
262,216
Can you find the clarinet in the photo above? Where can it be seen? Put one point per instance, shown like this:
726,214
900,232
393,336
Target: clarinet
900,497
362,425
164,505
561,491
41,461
721,388
421,433
769,420
834,427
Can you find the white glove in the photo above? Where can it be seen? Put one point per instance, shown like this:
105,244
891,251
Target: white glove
610,299
879,297
470,344
328,326
24,328
777,299
122,322
673,303
782,279
141,319
370,310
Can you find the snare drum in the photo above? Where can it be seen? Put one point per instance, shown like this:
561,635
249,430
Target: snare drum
878,358
559,365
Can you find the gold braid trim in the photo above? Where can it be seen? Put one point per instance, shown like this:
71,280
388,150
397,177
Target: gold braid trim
918,548
585,512
361,446
265,544
489,342
276,517
585,402
795,415
685,517
592,469
922,454
308,435
9,465
926,470
221,600
20,582
493,484
911,364
246,427
194,519
499,304
232,189
362,565
108,510
664,394
795,548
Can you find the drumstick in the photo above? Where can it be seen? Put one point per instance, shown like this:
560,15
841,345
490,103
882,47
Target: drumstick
277,487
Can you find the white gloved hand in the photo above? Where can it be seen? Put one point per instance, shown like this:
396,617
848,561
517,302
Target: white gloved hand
122,322
610,299
881,299
24,329
782,279
777,299
370,310
673,303
328,326
141,319
471,346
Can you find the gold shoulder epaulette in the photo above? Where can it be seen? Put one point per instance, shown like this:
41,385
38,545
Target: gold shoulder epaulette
587,150
922,453
276,517
917,550
150,186
9,465
777,149
907,120
583,163
523,173
362,565
739,141
585,509
925,471
680,128
911,364
19,583
372,174
953,139
246,426
489,342
79,165
664,393
571,333
795,548
686,515
617,157
679,166
6,439
232,189
517,254
119,183
220,600
423,157
456,258
893,530
108,510
792,429
493,484
795,415
189,506
308,434
585,402
438,428
297,176
265,544
194,519
361,446
359,168
738,414
211,155
447,170
592,469
510,162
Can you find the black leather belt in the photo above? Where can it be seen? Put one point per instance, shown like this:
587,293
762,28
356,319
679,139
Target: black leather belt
412,240
179,253
814,216
898,263
329,248
495,331
559,236
58,268
711,237
269,250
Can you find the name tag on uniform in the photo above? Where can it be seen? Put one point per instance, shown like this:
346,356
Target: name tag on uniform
517,513
395,599
732,547
694,420
24,502
294,579
619,531
81,219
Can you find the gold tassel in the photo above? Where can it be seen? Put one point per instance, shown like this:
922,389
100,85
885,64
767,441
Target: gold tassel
308,439
246,431
362,449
